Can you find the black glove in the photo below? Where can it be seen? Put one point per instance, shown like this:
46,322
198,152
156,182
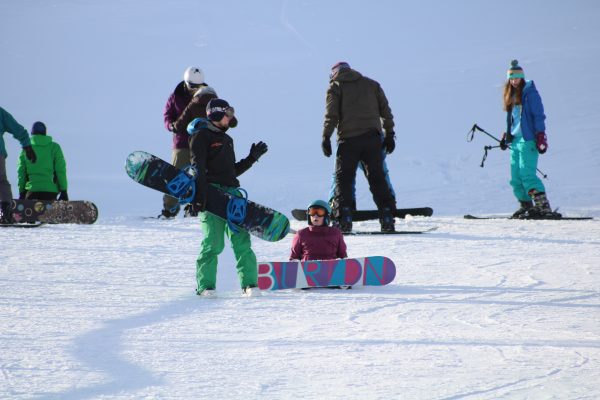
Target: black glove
326,146
22,195
63,196
198,203
258,149
30,154
503,145
389,143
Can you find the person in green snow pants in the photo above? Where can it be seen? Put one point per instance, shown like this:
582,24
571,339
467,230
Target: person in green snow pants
213,159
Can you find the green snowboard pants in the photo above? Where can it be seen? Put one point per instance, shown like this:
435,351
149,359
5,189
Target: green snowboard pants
523,164
215,229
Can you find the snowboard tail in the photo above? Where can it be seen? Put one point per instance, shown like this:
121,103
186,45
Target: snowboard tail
366,271
54,212
158,174
365,215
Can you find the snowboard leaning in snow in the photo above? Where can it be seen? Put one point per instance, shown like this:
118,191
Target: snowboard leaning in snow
54,212
367,271
158,174
365,215
469,216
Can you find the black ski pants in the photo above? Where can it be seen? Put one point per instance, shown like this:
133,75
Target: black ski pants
351,151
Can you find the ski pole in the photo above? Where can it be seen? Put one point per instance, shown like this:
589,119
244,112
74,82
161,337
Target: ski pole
471,135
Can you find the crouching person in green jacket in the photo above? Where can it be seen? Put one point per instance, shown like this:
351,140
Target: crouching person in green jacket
47,178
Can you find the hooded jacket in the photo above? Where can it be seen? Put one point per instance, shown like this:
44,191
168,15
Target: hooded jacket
355,105
213,156
532,113
48,173
318,243
176,103
9,124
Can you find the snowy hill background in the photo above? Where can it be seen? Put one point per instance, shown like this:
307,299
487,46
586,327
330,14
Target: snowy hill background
486,309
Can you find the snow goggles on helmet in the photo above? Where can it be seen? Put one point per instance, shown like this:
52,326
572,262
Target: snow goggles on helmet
191,85
318,211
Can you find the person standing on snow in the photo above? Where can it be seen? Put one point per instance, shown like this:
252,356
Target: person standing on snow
526,134
193,79
47,178
9,124
213,161
358,107
318,241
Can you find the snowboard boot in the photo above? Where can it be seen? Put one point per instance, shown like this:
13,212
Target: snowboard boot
6,216
345,221
386,219
206,293
168,214
541,207
188,211
522,212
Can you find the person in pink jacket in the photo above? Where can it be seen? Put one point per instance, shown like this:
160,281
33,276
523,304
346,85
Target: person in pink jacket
318,241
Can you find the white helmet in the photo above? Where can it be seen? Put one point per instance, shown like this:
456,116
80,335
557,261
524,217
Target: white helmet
193,76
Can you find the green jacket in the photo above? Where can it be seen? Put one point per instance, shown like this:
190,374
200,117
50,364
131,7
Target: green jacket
8,124
356,105
49,173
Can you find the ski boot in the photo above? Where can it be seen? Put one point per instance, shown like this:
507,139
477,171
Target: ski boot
541,207
6,216
523,210
386,219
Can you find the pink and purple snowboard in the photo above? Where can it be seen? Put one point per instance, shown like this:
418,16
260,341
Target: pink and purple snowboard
367,271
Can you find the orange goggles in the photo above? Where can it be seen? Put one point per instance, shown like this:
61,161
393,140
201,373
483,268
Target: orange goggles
319,212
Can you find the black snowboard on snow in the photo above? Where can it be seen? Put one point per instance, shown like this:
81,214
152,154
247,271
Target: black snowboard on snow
364,233
365,215
469,216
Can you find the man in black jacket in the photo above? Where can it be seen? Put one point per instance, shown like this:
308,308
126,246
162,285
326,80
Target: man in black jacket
358,107
213,158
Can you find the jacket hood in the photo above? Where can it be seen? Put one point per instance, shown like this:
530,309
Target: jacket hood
41,140
205,90
347,75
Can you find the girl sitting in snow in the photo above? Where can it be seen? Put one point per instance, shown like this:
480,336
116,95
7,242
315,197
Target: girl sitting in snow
318,241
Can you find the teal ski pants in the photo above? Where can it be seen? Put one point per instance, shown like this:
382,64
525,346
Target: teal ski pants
523,165
215,229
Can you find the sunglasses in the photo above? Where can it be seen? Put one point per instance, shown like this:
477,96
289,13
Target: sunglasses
319,212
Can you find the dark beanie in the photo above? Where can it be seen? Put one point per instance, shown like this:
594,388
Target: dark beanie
215,109
38,128
337,67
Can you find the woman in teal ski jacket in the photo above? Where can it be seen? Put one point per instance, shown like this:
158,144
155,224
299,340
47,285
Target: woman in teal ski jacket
526,134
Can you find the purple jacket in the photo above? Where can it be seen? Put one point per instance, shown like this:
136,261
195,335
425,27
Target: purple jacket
176,103
318,243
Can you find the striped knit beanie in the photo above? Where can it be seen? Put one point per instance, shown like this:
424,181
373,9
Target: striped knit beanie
515,71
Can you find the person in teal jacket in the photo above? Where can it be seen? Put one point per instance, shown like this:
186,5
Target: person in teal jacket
526,136
9,124
47,178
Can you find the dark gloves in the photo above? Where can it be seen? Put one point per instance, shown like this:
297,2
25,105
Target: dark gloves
389,143
198,203
258,149
541,142
326,146
503,144
22,195
30,154
63,196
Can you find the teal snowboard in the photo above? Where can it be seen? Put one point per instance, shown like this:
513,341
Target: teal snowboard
254,218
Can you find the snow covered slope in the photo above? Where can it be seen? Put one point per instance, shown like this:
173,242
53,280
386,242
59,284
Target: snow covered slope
479,309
